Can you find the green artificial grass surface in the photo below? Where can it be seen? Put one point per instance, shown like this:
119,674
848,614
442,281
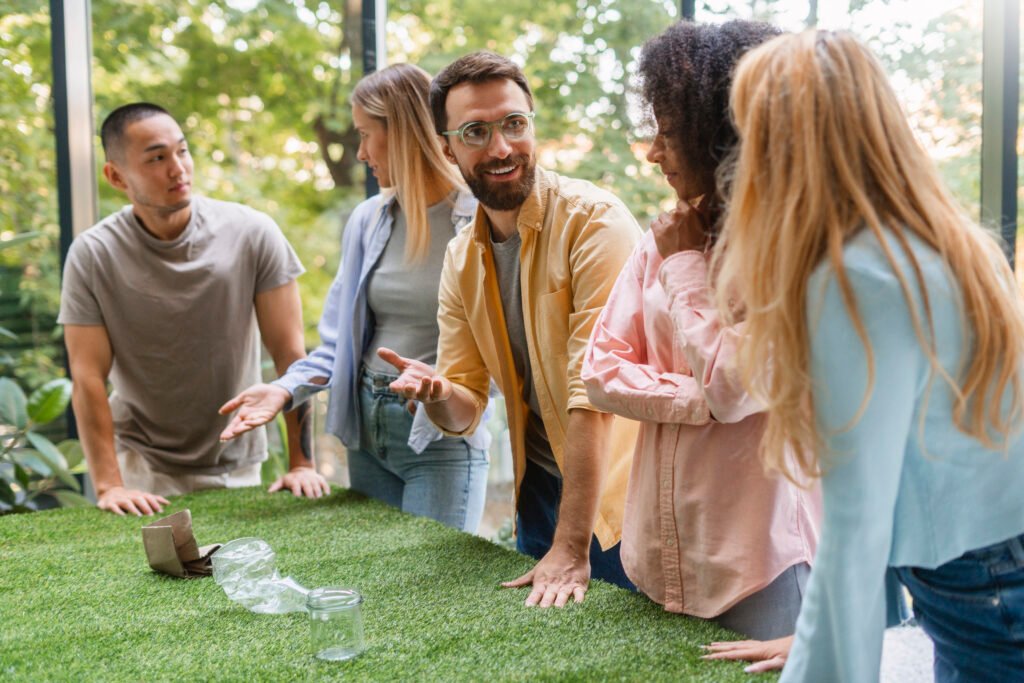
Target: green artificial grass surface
78,602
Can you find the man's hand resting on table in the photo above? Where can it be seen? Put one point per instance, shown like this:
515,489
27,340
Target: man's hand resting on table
558,576
120,500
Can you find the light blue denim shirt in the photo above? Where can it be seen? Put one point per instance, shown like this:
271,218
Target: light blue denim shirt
904,487
344,329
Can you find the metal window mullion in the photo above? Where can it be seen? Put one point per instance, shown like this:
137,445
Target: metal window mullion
1000,111
374,22
71,52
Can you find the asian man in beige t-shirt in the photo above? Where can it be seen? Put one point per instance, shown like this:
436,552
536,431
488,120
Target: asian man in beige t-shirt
168,299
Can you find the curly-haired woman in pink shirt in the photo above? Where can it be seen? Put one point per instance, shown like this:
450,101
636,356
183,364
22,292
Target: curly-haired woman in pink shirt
706,532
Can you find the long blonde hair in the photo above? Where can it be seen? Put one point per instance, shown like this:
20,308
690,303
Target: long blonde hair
398,96
825,152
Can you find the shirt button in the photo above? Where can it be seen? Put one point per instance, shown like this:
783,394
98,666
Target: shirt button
995,602
670,542
666,483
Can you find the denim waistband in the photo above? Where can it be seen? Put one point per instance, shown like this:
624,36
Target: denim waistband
1002,555
377,381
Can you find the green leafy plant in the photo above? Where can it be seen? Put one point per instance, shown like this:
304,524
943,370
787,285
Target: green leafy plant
7,244
30,464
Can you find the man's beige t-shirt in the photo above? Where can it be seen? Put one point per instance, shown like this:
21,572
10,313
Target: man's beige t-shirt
182,325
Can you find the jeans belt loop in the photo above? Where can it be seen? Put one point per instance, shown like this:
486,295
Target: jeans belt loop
1016,546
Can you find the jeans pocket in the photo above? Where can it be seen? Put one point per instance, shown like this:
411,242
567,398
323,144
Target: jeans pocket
961,580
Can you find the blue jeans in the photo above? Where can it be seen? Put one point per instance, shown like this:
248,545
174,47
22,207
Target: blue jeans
536,518
446,482
973,609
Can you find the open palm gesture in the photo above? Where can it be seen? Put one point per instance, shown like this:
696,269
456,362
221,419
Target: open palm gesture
256,406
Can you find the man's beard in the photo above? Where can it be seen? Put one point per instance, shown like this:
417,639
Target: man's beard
502,196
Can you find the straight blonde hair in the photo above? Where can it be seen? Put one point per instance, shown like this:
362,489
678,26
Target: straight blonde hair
826,152
398,96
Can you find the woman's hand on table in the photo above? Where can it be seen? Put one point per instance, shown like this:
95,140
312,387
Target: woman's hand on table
119,500
302,482
685,228
766,655
256,406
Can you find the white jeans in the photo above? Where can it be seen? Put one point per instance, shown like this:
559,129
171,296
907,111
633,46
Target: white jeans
137,473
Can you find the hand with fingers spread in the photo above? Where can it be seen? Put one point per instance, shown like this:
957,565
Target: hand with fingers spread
120,501
256,406
303,482
557,577
766,655
416,381
685,228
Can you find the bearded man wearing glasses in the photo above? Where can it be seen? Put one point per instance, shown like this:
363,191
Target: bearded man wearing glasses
521,289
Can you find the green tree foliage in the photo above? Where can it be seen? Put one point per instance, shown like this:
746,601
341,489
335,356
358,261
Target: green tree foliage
29,271
261,88
579,57
257,87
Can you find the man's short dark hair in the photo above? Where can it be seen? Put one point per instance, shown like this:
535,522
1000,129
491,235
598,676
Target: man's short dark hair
112,130
685,76
476,67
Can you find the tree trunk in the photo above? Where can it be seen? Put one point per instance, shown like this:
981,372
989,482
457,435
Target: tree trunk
341,166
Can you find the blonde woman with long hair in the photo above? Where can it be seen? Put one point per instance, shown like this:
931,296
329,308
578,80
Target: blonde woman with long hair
385,297
885,336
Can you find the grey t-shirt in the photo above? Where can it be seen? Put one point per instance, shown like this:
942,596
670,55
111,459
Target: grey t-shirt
181,320
403,296
507,267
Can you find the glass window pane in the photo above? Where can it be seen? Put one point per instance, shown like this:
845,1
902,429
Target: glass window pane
29,271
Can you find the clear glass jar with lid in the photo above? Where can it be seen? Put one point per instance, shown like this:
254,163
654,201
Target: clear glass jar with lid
336,623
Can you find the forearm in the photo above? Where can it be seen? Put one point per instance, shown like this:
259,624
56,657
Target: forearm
583,475
96,433
641,393
455,414
299,425
298,422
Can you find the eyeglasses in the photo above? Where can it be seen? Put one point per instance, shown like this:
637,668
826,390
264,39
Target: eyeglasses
514,126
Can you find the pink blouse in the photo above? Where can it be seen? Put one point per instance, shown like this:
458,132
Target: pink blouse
704,526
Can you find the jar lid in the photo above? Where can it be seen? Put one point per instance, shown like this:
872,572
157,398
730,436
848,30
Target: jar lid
332,598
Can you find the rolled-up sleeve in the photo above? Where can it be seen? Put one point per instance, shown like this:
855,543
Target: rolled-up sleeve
617,372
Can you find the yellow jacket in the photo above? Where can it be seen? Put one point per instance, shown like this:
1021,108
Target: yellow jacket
575,240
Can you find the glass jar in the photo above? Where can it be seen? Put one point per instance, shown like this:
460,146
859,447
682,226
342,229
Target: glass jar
336,623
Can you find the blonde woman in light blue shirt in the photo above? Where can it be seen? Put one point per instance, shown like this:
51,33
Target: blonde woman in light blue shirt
885,333
385,295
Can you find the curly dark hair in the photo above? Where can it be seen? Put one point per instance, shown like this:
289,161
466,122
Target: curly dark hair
685,75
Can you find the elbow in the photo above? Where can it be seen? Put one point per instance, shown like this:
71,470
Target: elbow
285,356
728,414
728,400
733,409
86,390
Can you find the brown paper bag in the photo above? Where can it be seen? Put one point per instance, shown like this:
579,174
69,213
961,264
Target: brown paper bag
171,547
